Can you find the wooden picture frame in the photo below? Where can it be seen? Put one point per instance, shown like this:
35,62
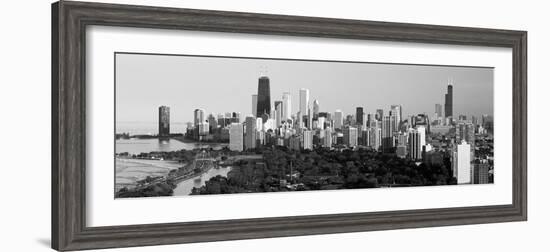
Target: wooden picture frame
69,20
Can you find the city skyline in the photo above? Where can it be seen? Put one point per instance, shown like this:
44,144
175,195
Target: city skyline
134,87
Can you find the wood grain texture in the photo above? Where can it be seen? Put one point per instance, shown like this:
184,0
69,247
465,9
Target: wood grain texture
69,20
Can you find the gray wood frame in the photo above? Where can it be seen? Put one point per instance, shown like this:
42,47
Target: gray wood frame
69,20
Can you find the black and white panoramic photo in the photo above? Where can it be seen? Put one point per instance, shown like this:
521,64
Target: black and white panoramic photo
196,125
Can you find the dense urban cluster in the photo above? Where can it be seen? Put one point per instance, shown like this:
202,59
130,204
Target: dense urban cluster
276,149
464,140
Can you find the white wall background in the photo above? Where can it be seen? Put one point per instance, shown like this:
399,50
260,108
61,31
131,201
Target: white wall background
25,126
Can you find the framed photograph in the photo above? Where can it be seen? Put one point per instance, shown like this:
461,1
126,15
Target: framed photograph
177,125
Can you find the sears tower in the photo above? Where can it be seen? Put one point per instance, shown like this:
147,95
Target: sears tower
264,99
449,101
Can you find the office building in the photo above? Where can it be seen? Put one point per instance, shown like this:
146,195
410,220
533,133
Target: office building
278,113
465,131
250,132
315,109
304,101
360,116
462,169
287,106
236,134
164,121
264,98
350,136
481,172
375,138
198,116
212,123
338,119
387,133
415,144
449,101
379,114
439,110
327,139
396,110
254,104
308,139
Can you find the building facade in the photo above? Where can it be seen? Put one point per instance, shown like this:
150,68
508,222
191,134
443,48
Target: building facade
236,135
264,97
164,121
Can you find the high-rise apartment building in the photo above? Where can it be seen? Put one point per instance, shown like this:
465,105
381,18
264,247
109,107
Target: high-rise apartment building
415,144
236,133
338,119
360,116
462,169
315,109
250,132
379,114
387,133
278,113
287,106
254,104
308,139
350,136
164,121
481,172
439,110
304,101
327,139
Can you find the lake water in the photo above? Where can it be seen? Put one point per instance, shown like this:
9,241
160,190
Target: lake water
128,171
137,146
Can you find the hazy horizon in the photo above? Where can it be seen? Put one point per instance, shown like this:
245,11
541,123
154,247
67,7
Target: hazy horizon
220,85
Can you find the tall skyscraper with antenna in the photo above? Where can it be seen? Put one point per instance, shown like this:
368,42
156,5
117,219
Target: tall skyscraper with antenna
264,98
449,100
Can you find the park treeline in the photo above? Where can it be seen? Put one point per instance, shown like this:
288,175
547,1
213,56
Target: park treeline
323,169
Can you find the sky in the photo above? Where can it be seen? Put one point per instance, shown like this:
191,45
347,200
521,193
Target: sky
219,85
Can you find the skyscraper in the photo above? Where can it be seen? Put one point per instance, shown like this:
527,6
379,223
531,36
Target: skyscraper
315,109
396,111
449,101
438,110
360,116
387,133
338,119
164,121
278,113
250,136
236,137
264,98
198,117
375,138
304,101
254,104
212,123
350,136
287,109
327,140
415,144
462,169
481,172
465,131
308,139
379,114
